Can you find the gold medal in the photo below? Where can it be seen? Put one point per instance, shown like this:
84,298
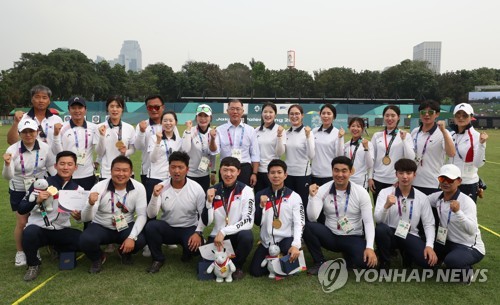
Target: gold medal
386,160
276,223
227,221
52,190
119,144
223,269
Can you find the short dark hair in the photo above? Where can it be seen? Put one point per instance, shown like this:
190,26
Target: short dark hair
430,104
152,97
115,98
122,159
66,153
179,156
170,112
270,104
331,107
405,165
342,160
357,119
235,101
296,106
230,161
277,162
40,88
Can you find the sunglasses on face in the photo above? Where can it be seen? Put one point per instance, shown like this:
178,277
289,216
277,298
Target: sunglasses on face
461,115
42,133
443,179
429,112
154,107
121,207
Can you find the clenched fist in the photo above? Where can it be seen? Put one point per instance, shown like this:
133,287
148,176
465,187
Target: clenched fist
213,132
143,125
307,129
263,200
18,116
93,197
402,133
210,195
159,135
364,142
102,130
189,124
57,129
483,137
157,189
441,125
454,206
341,132
7,158
280,131
390,201
313,189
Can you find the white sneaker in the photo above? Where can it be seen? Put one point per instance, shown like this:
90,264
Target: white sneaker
38,255
172,246
110,248
146,252
20,259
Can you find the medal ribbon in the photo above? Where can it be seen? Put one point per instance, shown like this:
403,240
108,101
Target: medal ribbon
449,214
113,201
119,134
425,146
399,209
76,139
353,155
201,141
277,202
227,203
336,207
388,147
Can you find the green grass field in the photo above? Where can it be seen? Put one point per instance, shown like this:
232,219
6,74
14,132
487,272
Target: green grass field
176,283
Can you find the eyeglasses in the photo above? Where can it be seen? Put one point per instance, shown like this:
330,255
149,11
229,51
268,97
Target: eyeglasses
443,179
41,134
463,115
153,107
206,109
234,109
121,207
429,112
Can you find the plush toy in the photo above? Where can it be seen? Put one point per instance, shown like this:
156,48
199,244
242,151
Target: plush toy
223,267
274,254
41,185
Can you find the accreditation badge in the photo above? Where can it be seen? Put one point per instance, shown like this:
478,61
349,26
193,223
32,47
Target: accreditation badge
345,225
204,163
80,158
402,229
441,235
28,182
236,153
120,222
468,170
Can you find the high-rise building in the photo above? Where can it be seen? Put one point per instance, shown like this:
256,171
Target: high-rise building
429,51
131,56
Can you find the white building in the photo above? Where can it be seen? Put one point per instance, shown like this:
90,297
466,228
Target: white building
429,51
130,56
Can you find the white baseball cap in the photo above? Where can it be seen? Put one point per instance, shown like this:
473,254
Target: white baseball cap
450,170
27,124
204,108
465,107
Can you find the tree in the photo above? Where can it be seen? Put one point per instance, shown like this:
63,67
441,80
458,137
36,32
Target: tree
201,79
337,82
410,79
237,80
165,80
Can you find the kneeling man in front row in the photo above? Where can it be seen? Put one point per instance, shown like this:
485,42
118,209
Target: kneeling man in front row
397,212
181,201
347,208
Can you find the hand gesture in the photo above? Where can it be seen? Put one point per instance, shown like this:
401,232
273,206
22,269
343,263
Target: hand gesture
93,197
189,124
213,132
441,125
42,195
364,142
210,195
102,130
213,179
7,158
390,201
313,189
483,137
402,133
143,125
454,206
280,131
159,135
157,189
263,200
307,129
341,133
57,129
18,115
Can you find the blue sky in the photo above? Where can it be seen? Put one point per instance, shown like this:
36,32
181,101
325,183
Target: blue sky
362,35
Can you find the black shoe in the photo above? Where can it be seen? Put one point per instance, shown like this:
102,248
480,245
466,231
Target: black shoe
32,273
155,267
238,274
96,267
314,269
126,258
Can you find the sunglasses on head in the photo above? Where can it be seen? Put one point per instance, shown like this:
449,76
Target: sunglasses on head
443,179
203,109
121,207
153,107
429,112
